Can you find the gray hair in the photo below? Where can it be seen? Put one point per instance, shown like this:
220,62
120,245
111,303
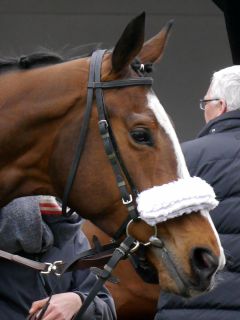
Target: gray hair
226,84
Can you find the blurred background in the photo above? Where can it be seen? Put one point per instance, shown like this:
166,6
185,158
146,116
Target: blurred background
197,47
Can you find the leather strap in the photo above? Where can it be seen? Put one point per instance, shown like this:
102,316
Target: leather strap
119,253
87,259
95,257
81,142
40,266
121,83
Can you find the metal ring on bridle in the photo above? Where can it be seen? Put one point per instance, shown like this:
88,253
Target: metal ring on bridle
139,242
135,247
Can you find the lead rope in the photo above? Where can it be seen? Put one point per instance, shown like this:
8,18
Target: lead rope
119,253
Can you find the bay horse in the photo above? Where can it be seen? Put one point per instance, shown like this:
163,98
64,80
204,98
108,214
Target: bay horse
45,104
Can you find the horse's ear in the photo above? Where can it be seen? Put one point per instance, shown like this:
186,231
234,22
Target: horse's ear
129,44
152,50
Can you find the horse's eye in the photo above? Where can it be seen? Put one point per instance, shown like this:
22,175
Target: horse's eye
142,136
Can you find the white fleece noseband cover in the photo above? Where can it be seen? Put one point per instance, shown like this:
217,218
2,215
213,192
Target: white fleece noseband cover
174,199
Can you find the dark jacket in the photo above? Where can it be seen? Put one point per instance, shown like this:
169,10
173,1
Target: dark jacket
20,285
215,157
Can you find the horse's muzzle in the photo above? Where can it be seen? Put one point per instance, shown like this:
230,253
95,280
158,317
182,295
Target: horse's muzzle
204,265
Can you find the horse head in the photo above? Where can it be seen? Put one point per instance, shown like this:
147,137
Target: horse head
110,92
189,252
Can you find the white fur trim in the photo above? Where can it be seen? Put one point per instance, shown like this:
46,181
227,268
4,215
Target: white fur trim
174,199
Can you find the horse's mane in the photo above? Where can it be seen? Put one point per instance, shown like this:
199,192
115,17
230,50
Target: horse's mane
43,58
30,61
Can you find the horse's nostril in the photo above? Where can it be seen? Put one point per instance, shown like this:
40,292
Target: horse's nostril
204,263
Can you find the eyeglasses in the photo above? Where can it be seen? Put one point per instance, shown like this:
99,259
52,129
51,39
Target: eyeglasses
203,102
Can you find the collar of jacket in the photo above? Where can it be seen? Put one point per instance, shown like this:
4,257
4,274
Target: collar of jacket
229,121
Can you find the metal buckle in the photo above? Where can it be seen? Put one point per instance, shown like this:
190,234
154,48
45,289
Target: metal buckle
53,268
127,201
103,121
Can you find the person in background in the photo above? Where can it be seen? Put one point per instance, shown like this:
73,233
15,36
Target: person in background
215,157
34,227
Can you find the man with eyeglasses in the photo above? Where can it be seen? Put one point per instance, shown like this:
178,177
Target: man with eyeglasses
215,157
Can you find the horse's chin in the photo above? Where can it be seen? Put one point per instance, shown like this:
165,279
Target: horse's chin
188,290
195,291
189,293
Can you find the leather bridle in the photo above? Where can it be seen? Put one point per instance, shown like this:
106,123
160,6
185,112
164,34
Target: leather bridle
129,245
111,149
95,85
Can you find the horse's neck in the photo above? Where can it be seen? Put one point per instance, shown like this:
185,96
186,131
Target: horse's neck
33,108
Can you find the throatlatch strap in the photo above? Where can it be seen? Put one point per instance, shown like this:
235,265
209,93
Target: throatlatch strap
82,139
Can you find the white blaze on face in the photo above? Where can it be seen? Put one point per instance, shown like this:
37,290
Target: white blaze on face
163,119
